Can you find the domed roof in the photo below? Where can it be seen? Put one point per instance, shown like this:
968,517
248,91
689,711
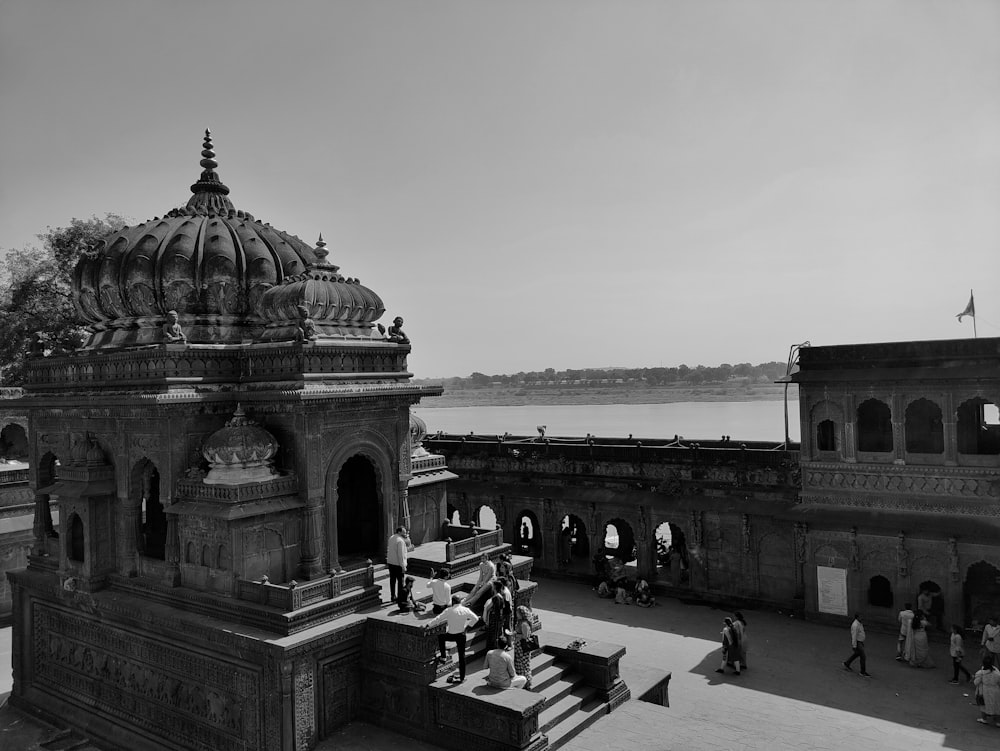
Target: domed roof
208,261
336,306
239,453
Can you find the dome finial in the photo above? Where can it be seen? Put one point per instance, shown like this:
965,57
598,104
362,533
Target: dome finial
209,192
321,251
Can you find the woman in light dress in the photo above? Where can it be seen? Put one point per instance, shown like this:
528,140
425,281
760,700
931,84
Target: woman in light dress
522,654
987,680
917,649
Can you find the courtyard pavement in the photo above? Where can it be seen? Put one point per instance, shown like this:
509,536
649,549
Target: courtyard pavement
796,694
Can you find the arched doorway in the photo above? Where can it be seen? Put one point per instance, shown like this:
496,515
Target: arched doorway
152,517
671,553
358,509
75,551
527,540
454,516
619,541
981,593
13,444
574,547
486,518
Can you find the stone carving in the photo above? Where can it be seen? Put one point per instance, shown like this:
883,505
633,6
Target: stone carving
953,568
902,556
643,525
305,704
395,332
747,540
943,481
172,331
306,331
697,529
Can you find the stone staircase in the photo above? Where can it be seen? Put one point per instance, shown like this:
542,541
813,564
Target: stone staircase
571,705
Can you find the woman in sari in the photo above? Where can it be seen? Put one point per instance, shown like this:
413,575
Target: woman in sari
495,615
918,650
522,655
730,648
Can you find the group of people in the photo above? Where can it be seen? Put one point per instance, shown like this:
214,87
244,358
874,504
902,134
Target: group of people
912,645
624,593
734,644
491,601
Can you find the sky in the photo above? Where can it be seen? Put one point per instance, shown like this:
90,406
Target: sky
548,183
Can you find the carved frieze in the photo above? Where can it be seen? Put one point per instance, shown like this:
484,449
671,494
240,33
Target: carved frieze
919,481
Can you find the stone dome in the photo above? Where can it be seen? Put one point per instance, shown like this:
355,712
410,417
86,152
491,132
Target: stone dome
240,452
336,306
208,261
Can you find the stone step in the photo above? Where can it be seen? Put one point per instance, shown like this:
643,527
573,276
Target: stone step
572,703
574,721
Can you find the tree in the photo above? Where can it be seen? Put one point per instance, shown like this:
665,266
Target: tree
36,293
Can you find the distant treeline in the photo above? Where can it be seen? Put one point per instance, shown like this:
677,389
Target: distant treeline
682,375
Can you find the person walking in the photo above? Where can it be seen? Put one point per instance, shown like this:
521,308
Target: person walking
858,645
905,620
987,680
730,648
395,558
459,618
500,665
441,590
740,624
957,650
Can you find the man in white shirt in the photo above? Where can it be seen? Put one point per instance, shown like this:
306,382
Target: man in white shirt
459,618
441,590
905,619
501,666
858,645
395,558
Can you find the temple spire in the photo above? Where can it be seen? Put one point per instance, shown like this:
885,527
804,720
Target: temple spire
209,192
321,254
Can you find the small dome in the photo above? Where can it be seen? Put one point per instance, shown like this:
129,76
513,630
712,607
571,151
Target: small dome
336,306
418,429
241,452
208,261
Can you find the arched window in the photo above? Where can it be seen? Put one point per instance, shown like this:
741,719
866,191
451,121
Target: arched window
879,592
528,541
224,562
573,544
76,539
487,518
874,427
978,427
206,556
924,428
826,436
191,556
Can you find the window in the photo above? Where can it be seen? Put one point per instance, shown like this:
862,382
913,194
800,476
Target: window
826,436
924,429
879,592
874,427
978,427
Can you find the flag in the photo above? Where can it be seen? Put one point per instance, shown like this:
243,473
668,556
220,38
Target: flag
970,309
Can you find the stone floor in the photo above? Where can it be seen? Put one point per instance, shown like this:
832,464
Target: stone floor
796,694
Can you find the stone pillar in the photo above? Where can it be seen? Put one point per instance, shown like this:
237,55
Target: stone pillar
850,428
39,524
898,417
950,436
287,708
312,541
172,553
128,535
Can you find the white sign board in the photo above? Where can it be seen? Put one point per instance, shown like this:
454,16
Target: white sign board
832,589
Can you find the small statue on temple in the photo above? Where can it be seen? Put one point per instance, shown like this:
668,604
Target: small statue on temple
307,327
172,331
395,333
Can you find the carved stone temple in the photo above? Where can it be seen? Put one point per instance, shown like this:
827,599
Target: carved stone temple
214,473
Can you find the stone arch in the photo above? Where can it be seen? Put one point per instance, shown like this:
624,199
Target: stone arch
619,540
46,474
671,551
454,515
528,534
880,592
373,448
923,427
485,523
981,593
222,559
144,513
14,442
874,426
826,424
932,571
191,553
76,545
574,546
830,555
974,433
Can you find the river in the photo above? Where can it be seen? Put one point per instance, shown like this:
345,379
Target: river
742,421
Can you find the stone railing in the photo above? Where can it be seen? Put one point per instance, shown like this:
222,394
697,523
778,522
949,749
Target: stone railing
293,596
14,476
427,462
473,545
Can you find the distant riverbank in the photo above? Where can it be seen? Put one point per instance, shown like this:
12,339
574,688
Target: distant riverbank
617,394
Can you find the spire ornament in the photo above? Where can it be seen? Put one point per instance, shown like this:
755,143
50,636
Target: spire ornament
209,192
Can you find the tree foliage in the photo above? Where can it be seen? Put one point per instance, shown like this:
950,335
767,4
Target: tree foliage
36,306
